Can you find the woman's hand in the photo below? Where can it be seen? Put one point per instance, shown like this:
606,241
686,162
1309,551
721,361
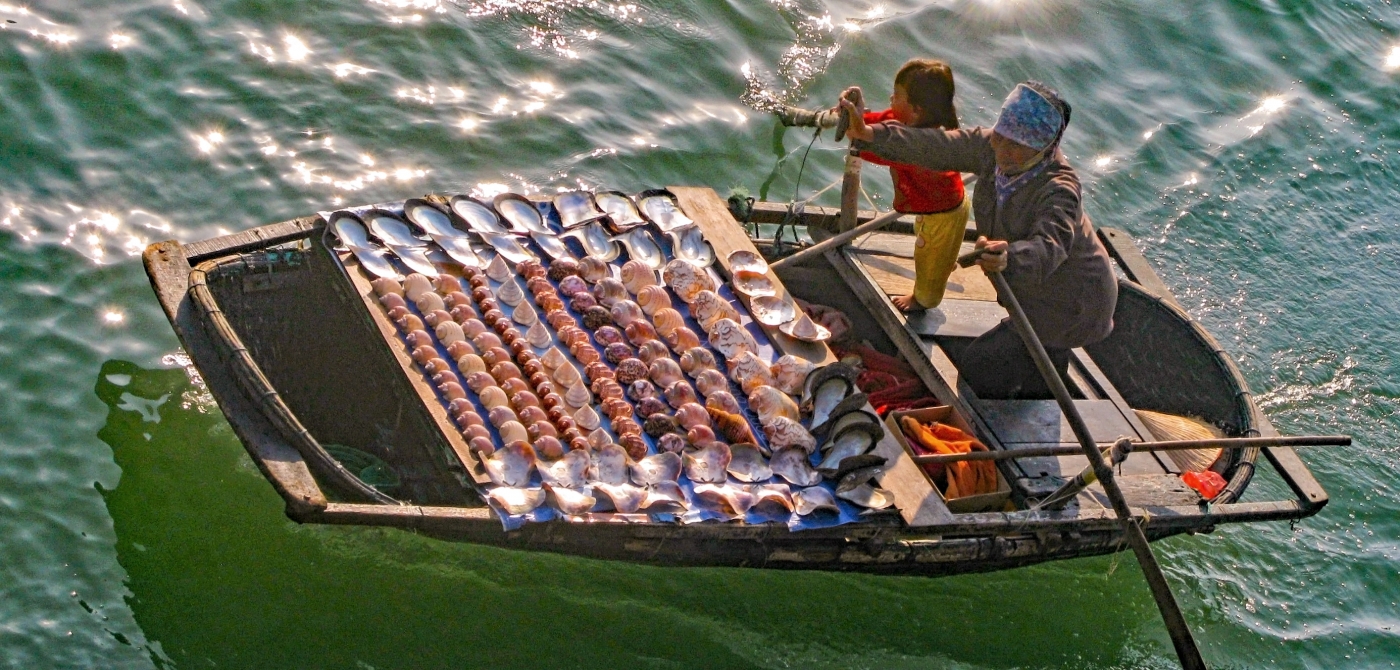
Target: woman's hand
855,116
993,258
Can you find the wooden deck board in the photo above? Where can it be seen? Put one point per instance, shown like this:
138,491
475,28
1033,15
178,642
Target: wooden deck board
888,257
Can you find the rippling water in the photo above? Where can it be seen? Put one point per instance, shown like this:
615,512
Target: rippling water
1250,147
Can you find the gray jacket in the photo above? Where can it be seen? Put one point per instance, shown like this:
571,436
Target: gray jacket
1056,265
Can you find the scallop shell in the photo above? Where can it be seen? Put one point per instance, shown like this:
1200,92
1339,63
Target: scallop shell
682,339
429,302
510,293
449,332
770,403
625,498
637,275
609,291
653,298
569,471
625,312
650,351
657,468
608,466
723,400
805,329
748,465
667,320
743,260
813,499
587,418
384,286
511,466
665,371
708,308
749,372
732,340
711,381
516,501
570,501
696,360
708,464
593,270
664,497
524,315
497,269
772,310
791,372
753,284
732,500
791,464
785,432
415,285
538,336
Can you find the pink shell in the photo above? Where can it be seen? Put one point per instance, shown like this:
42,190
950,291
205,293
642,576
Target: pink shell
680,394
791,372
456,298
691,415
641,389
708,307
723,400
582,301
609,335
681,339
653,298
472,328
730,339
418,338
749,372
392,300
667,320
626,311
446,284
665,372
437,316
500,414
711,381
486,340
640,332
653,405
459,349
609,291
572,285
637,275
650,351
701,435
464,313
397,313
410,322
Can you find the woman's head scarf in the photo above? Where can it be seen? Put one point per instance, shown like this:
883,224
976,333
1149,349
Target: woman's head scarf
1033,115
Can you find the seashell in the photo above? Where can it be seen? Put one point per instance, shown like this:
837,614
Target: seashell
550,302
609,291
772,499
607,388
415,285
681,339
653,299
814,499
617,352
513,431
505,371
671,443
560,318
397,313
652,405
599,438
596,317
608,465
482,445
680,393
452,391
708,307
805,329
743,260
457,350
732,426
692,414
696,360
771,310
524,315
495,356
708,464
687,287
573,336
530,414
500,415
577,441
529,269
537,286
587,418
616,408
747,464
577,394
625,498
493,397
553,360
516,501
486,341
598,370
566,376
478,280
749,372
791,464
723,400
593,270
868,496
609,335
541,430
461,407
418,338
486,305
437,316
562,268
651,350
732,500
626,426
392,300
538,336
625,312
410,322
464,313
849,442
445,284
479,381
572,285
631,370
785,432
790,372
657,468
522,399
510,293
511,466
828,394
472,328
637,275
383,286
731,339
664,497
449,332
641,389
497,269
665,371
659,424
551,400
667,320
640,332
582,302
701,435
753,284
711,381
456,298
770,403
513,386
570,501
492,317
586,354
423,354
442,377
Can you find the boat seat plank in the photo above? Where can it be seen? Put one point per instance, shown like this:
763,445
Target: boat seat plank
956,318
888,258
1040,421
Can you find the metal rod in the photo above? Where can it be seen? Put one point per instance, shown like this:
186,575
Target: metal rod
1166,445
1186,651
837,240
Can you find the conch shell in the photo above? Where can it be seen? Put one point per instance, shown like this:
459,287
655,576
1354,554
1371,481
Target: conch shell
708,307
733,426
770,403
730,339
750,372
723,400
790,372
637,275
653,298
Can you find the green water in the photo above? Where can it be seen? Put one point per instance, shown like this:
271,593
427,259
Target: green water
1250,148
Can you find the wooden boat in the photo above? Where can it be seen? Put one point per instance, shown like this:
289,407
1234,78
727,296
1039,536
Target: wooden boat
296,355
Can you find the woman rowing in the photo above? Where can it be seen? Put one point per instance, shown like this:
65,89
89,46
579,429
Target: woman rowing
1031,226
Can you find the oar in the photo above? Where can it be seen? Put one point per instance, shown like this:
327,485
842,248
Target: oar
1186,651
837,240
1164,445
850,178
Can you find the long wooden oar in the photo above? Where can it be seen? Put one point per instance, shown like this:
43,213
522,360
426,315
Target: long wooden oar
837,240
1186,651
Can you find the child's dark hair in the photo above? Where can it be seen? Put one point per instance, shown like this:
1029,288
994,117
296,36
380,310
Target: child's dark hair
929,84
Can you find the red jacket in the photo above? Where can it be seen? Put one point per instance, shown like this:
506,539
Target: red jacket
917,190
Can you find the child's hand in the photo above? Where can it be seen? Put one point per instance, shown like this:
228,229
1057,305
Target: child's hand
993,258
855,115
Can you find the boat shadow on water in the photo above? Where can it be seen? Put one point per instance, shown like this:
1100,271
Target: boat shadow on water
218,574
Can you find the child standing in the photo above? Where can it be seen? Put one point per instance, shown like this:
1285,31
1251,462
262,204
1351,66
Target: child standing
923,98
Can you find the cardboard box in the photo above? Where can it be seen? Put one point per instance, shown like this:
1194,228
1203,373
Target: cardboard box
986,502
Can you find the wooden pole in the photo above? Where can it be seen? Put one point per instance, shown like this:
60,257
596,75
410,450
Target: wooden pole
836,240
1186,651
850,192
1166,445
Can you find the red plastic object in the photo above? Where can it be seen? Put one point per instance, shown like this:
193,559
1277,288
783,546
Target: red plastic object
1209,483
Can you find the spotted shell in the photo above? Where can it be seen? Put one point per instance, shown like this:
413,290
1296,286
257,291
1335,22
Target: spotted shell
650,406
653,298
730,339
667,320
708,307
609,335
596,317
582,301
617,352
631,370
572,285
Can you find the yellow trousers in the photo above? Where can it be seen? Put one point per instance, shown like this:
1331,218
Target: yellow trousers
937,239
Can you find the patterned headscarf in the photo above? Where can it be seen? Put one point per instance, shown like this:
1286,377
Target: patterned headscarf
1029,118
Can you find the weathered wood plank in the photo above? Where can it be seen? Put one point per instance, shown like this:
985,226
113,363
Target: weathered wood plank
889,259
956,318
251,239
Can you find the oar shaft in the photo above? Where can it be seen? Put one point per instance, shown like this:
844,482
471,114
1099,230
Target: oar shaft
850,191
1186,651
837,240
1166,445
